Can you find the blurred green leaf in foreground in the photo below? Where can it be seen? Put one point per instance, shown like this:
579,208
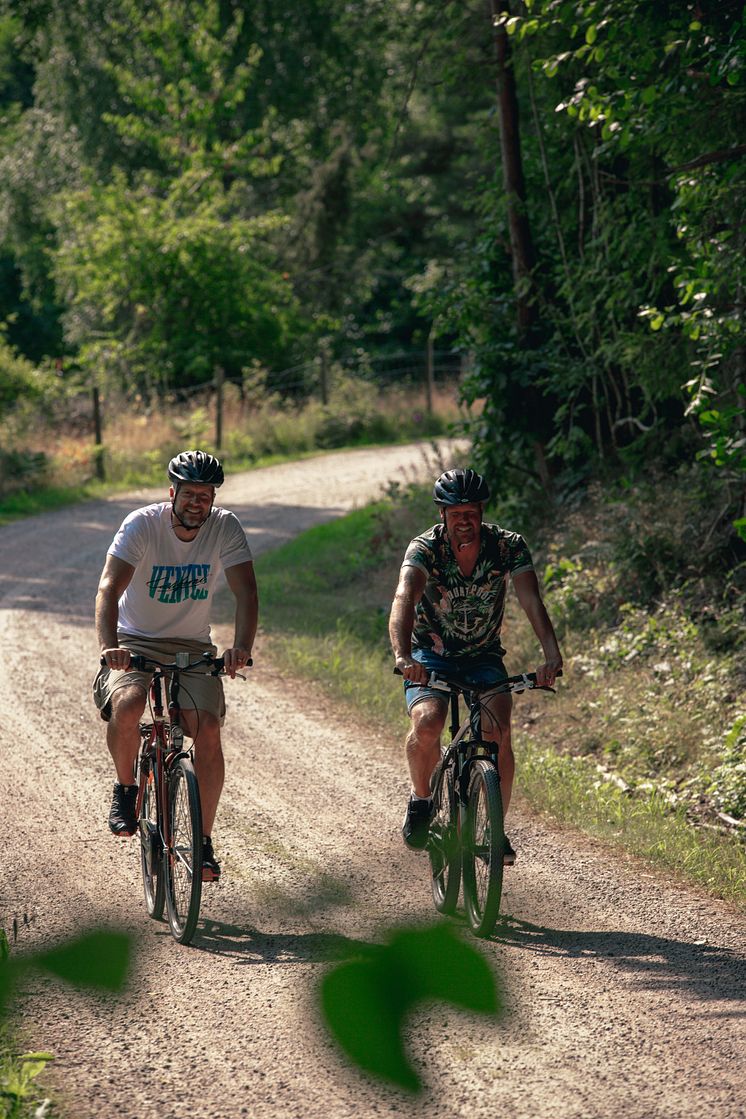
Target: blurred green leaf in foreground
97,959
364,1002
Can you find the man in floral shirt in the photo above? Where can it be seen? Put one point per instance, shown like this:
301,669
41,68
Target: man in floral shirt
447,615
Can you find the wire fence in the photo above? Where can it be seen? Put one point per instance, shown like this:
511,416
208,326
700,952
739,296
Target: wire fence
317,377
425,375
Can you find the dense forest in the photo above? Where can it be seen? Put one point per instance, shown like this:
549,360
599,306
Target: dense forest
553,188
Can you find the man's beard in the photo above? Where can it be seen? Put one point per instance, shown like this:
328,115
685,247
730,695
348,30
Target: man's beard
190,521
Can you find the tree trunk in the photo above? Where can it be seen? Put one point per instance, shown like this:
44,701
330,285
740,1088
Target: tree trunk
521,244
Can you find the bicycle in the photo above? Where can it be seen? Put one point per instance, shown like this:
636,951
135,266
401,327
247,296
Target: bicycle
467,837
169,815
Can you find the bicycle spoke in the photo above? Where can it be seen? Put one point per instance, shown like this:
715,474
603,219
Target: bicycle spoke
184,886
150,843
483,863
443,845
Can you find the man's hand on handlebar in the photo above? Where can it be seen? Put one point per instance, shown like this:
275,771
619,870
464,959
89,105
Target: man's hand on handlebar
547,673
412,670
235,659
117,658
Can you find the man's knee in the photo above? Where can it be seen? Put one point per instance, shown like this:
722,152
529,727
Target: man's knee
204,728
428,721
127,706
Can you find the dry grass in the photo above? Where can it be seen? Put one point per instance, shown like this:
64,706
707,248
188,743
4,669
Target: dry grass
138,438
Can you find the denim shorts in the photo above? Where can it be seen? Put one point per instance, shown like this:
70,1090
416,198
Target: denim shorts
475,672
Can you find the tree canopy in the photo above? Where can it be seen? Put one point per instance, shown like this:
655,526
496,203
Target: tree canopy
554,187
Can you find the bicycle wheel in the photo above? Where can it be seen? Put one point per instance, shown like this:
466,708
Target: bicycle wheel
151,861
484,841
182,861
443,845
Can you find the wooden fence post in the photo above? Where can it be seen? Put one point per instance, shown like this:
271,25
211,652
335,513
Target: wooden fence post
429,374
98,435
219,382
324,375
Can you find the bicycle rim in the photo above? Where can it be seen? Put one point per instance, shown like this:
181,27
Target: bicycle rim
484,843
183,859
443,844
150,846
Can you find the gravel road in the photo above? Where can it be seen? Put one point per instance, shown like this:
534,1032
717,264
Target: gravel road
625,991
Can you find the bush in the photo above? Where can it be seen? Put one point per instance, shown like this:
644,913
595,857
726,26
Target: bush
21,471
727,785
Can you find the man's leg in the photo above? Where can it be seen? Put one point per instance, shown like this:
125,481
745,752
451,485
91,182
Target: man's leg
423,752
123,740
209,764
496,728
123,730
423,742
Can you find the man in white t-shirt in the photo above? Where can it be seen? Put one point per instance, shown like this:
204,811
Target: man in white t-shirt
154,599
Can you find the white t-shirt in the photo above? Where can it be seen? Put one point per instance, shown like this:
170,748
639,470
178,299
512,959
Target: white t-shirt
171,591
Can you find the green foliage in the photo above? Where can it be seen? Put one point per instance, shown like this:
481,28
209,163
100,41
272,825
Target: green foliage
365,1002
19,1090
647,824
191,187
175,288
22,385
97,961
635,199
727,782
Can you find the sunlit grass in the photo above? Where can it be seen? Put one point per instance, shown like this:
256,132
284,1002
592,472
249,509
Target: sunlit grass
21,1094
645,824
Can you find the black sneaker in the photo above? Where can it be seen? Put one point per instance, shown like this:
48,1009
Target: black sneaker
508,854
122,817
416,826
210,865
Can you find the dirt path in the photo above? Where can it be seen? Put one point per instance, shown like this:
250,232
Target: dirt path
625,992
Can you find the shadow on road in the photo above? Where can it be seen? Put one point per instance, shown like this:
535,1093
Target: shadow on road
249,945
705,970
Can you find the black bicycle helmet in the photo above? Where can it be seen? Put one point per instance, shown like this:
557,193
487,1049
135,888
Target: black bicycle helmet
196,466
460,487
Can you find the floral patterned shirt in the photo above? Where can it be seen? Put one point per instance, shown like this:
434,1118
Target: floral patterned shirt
460,616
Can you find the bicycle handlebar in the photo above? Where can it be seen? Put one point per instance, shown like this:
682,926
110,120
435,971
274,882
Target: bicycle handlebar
141,663
525,681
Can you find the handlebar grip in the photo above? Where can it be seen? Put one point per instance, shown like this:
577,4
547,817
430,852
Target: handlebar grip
137,661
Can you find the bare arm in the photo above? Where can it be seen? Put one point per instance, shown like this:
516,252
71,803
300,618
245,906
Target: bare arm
242,582
527,589
115,578
409,591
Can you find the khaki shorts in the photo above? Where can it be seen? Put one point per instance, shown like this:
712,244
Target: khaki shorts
199,690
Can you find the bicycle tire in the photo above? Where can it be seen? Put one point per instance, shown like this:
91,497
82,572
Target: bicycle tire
484,845
444,847
151,854
182,861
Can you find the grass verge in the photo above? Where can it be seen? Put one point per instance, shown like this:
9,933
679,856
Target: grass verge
21,1095
325,599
